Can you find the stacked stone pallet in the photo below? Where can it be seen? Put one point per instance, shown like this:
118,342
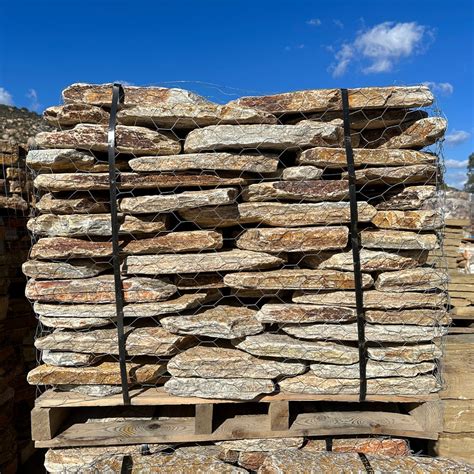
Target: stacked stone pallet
17,322
237,271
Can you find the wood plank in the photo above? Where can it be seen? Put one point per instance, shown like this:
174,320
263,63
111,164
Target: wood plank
460,330
466,312
46,422
459,447
158,396
429,415
458,416
279,414
204,416
457,222
239,427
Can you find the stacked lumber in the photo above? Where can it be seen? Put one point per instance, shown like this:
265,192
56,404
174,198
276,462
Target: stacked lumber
237,270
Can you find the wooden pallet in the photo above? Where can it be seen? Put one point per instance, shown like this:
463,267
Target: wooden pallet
59,419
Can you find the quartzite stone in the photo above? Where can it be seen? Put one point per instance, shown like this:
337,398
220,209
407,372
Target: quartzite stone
72,114
409,220
151,341
96,390
206,161
423,132
410,354
295,279
295,215
319,100
219,362
189,115
174,242
336,157
422,174
311,384
230,260
67,359
174,202
13,202
411,197
423,317
304,313
388,239
76,323
100,181
134,140
374,299
369,445
415,279
370,260
135,310
140,225
76,205
259,444
99,289
215,216
286,347
104,373
223,321
60,159
232,388
198,281
305,190
305,134
40,269
373,332
374,369
297,173
283,239
64,247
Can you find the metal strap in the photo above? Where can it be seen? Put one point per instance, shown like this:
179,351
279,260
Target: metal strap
355,246
117,97
368,468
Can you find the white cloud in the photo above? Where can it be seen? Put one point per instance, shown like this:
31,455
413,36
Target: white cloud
338,23
456,179
33,96
5,97
444,88
382,46
298,46
456,137
314,22
455,164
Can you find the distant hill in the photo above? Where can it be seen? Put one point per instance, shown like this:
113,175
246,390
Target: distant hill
18,125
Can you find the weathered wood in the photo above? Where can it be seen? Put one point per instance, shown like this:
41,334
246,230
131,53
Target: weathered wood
46,422
203,422
279,414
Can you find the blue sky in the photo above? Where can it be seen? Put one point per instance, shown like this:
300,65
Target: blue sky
244,47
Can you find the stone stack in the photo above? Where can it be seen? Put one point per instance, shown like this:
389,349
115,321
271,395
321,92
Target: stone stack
234,219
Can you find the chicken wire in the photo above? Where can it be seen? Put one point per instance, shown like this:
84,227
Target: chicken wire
235,252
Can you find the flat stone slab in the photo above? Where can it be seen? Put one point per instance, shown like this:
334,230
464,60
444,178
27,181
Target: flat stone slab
311,384
223,322
99,289
60,160
214,216
257,163
67,359
134,310
295,215
304,190
230,260
319,100
78,205
286,347
374,369
388,239
66,248
422,317
305,134
299,173
304,313
284,239
411,197
326,157
151,341
370,445
174,202
76,323
219,362
176,242
410,354
374,299
414,279
133,140
92,225
413,174
223,388
57,182
408,220
261,444
71,114
294,279
104,373
96,390
63,270
370,260
373,332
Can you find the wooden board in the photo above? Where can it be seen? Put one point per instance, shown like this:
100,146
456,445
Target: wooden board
459,447
466,312
458,416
